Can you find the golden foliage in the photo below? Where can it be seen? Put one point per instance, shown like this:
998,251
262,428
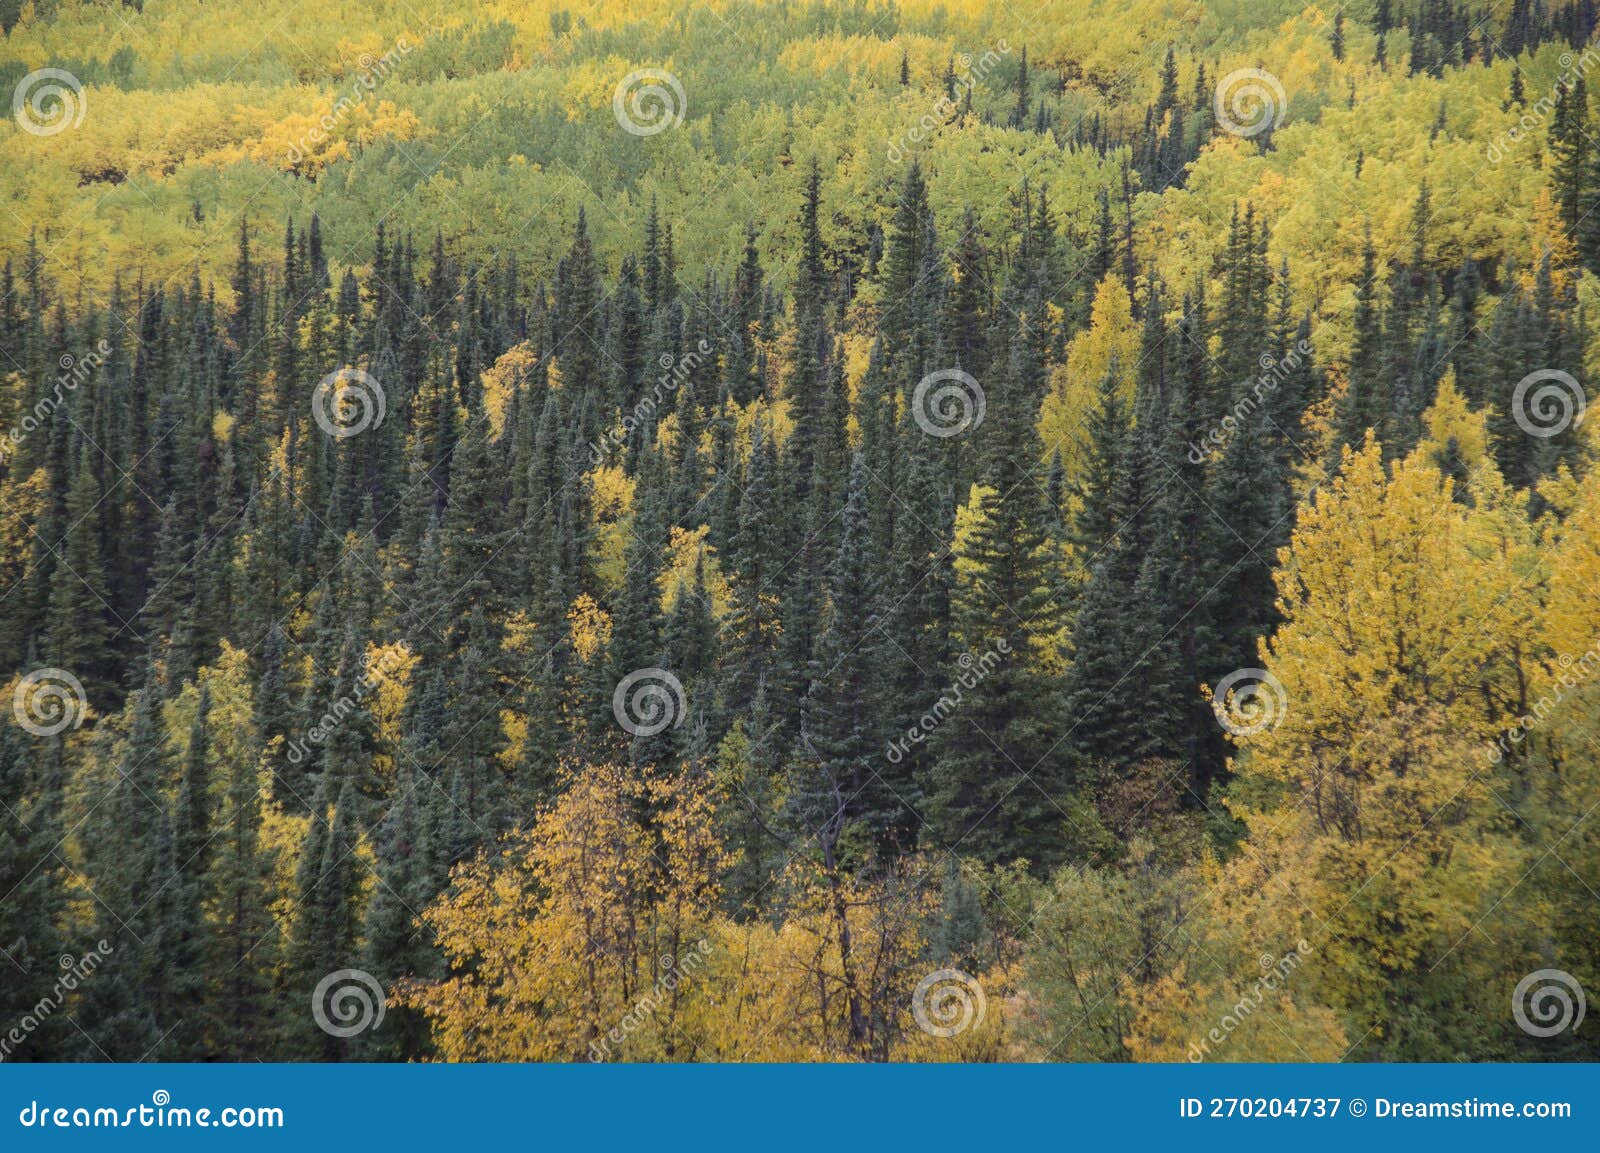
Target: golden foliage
557,944
307,142
590,627
686,550
1110,344
1454,429
510,371
1373,827
611,506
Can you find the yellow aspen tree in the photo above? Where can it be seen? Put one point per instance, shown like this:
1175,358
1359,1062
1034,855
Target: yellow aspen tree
1373,832
574,942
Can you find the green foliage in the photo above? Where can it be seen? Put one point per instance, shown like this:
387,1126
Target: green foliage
431,411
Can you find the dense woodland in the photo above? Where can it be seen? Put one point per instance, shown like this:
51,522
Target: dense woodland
663,597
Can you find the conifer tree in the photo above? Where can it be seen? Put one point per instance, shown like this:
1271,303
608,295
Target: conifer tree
394,946
78,627
33,875
327,883
131,862
836,781
1366,401
999,784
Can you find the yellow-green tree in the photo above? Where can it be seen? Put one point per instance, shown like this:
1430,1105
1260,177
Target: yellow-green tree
1367,786
575,941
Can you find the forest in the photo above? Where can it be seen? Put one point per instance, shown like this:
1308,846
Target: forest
799,530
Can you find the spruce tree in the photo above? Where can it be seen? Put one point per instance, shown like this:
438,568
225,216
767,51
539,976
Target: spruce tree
835,782
326,916
33,876
999,785
78,627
